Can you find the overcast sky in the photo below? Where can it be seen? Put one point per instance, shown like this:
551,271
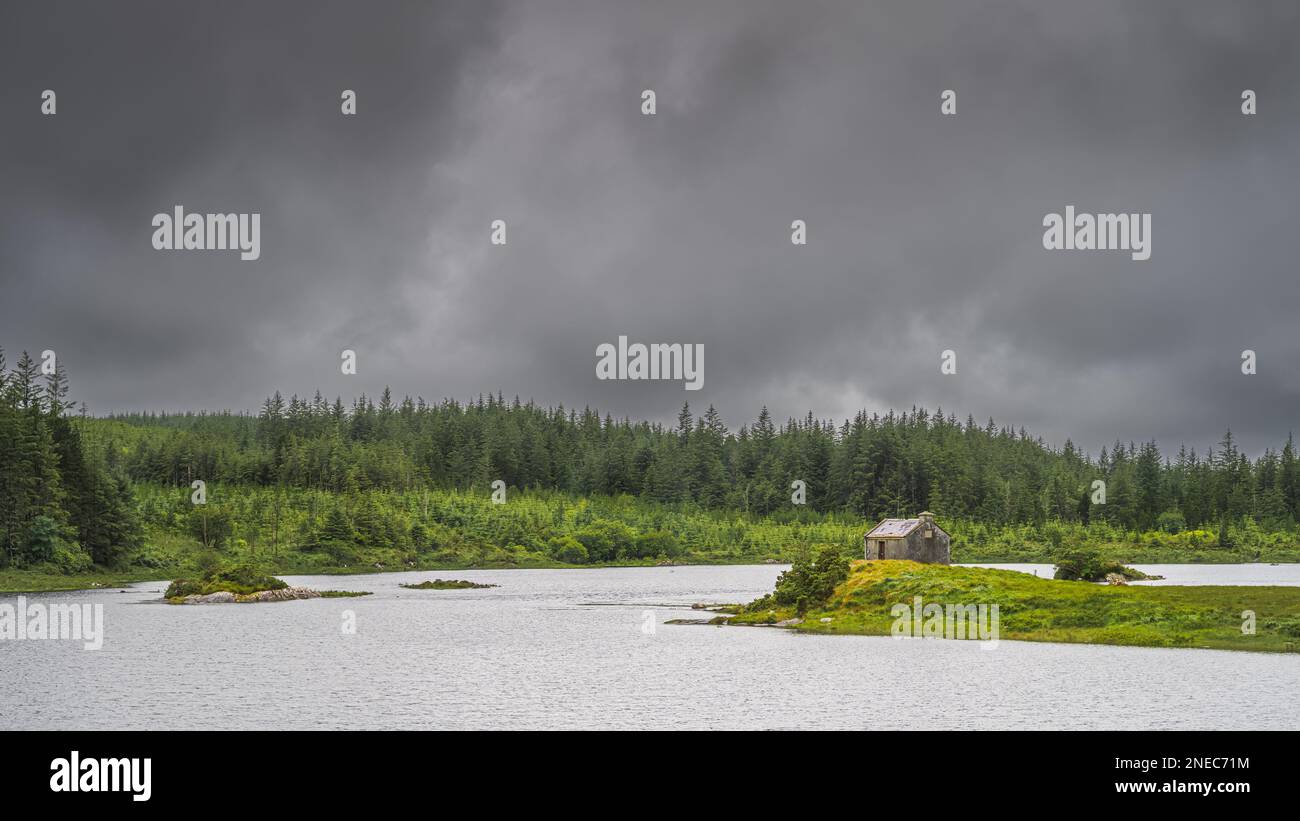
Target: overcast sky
924,231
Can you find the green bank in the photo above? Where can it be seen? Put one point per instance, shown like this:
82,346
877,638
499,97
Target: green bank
1264,619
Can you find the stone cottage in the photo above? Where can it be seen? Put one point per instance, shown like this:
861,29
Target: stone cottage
919,539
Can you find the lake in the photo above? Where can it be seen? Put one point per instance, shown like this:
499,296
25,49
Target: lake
571,649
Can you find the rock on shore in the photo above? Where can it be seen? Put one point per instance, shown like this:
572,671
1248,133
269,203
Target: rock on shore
225,596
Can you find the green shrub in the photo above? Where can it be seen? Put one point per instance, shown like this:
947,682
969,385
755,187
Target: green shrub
419,536
70,558
568,550
656,543
340,552
1087,566
43,538
606,540
812,580
1172,522
211,525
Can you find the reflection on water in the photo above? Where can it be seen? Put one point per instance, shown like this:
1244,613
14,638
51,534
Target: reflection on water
570,649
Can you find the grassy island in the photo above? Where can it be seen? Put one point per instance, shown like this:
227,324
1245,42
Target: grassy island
1032,608
243,584
238,580
447,584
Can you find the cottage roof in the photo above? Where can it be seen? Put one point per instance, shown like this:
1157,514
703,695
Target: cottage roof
894,528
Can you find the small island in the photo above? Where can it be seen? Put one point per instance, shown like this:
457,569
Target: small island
448,584
1086,566
242,585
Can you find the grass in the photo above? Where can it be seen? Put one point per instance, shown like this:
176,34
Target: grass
1037,609
37,581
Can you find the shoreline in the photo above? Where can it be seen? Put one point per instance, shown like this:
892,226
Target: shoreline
805,629
16,582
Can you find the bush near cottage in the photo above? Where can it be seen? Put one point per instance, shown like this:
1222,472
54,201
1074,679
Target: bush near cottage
812,578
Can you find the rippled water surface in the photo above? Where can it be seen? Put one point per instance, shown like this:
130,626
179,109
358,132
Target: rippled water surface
589,649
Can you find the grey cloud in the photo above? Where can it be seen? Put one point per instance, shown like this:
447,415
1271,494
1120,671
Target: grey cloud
924,231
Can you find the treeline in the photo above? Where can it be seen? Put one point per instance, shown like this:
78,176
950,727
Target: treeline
59,504
872,466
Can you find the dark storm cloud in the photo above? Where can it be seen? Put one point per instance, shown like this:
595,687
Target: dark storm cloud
925,231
